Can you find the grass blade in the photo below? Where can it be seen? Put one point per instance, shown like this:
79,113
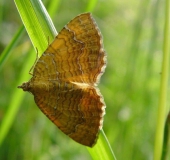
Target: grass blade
102,150
163,87
6,53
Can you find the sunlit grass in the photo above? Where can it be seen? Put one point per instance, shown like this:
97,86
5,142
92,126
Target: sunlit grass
132,33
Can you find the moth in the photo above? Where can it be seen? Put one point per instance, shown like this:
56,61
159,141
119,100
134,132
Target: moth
64,80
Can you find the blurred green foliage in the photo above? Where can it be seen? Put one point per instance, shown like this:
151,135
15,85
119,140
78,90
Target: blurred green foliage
132,32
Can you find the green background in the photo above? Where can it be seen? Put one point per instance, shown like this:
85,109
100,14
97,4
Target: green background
133,36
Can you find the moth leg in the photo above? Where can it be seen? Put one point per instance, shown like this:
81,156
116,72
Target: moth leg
30,71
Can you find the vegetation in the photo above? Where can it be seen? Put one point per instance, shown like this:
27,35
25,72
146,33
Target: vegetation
133,39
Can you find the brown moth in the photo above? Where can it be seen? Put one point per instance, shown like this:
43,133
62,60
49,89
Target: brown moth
64,80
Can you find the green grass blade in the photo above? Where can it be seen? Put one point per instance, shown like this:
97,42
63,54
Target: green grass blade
163,87
37,23
44,19
102,150
15,102
6,53
166,142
